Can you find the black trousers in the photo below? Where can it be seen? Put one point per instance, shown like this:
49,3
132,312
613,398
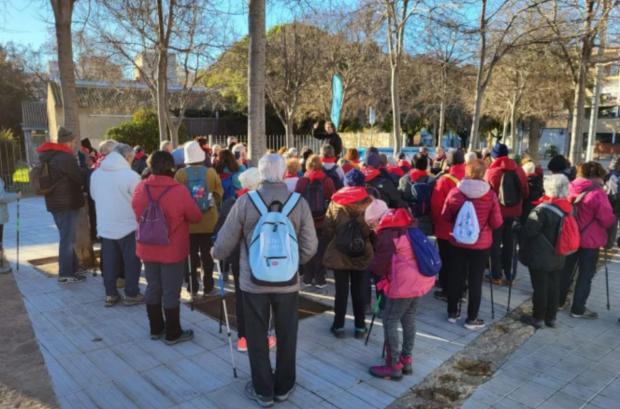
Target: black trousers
466,264
546,287
257,309
314,269
501,251
1,236
444,254
359,287
581,265
200,254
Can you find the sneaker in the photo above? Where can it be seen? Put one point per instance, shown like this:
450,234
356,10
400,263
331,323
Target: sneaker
120,282
251,394
407,362
321,285
360,333
129,301
242,345
440,295
338,332
529,320
186,335
388,372
306,285
272,341
498,281
284,396
71,279
474,324
453,318
111,300
587,314
157,337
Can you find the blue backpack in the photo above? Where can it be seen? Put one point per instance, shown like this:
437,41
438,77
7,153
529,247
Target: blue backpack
197,186
421,197
429,262
228,185
274,252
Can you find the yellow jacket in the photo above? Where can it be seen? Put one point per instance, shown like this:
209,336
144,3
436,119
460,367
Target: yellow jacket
214,184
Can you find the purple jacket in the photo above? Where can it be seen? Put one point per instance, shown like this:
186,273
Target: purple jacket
594,212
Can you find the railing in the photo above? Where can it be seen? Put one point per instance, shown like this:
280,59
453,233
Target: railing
13,166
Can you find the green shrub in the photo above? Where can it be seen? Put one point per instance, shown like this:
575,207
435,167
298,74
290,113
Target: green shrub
141,130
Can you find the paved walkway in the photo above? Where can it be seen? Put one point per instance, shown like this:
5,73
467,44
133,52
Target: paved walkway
102,357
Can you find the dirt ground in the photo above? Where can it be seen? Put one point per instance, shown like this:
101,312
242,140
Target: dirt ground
24,381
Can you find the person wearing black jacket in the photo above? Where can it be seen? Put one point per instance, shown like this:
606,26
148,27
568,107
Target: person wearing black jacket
65,199
537,250
380,186
329,135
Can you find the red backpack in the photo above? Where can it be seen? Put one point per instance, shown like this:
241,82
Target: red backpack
568,234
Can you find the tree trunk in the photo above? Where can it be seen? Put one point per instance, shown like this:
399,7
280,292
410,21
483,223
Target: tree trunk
289,132
256,80
505,128
513,125
162,96
394,88
63,10
475,121
474,138
442,107
534,138
576,143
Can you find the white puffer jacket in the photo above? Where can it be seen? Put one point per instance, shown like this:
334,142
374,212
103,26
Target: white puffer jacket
5,199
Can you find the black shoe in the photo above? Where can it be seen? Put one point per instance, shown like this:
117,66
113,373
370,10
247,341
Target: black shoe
360,333
440,295
551,323
156,321
71,279
251,394
186,335
529,320
283,397
338,332
174,333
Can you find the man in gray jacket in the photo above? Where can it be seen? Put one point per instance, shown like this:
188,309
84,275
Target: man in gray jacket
258,300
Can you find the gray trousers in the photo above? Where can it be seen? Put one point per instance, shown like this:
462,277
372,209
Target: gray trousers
164,282
399,310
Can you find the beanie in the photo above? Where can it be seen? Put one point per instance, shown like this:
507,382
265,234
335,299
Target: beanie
375,210
499,150
455,157
558,164
373,160
64,135
354,178
193,153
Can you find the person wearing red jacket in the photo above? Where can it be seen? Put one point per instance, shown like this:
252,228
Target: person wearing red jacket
469,260
443,184
314,270
164,265
503,237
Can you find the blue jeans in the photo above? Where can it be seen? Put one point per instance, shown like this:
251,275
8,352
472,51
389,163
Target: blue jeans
67,260
116,253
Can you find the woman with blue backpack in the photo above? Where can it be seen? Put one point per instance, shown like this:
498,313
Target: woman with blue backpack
402,283
228,169
472,209
205,188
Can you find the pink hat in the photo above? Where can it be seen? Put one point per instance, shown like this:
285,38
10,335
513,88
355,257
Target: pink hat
375,210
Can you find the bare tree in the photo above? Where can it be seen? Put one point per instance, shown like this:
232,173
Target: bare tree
63,12
257,139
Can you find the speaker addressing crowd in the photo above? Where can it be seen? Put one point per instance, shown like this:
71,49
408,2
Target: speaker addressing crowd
301,217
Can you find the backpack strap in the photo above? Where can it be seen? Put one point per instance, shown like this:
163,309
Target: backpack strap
258,202
552,208
148,193
290,203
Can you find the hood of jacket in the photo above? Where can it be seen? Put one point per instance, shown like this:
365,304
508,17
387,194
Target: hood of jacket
58,147
562,203
457,171
395,170
350,195
580,185
474,188
114,161
416,174
314,175
370,173
504,162
395,218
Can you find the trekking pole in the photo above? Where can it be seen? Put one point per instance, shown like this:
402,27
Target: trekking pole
230,346
514,274
190,282
375,312
491,286
606,278
17,233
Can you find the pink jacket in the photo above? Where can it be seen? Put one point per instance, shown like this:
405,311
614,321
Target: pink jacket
395,260
594,212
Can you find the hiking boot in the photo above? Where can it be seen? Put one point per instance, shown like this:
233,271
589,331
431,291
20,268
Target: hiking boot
474,324
120,282
453,318
156,321
338,332
242,345
440,295
272,341
551,323
71,279
587,314
174,333
186,335
388,372
283,397
137,299
529,320
407,362
360,333
111,300
251,394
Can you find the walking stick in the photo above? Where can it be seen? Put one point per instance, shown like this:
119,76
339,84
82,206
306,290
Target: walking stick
375,312
606,278
191,282
514,274
491,286
17,233
230,347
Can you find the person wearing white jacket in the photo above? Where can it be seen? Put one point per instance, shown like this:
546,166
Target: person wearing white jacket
5,199
111,187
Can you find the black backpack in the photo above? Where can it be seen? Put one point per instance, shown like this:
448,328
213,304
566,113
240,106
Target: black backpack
334,176
349,239
510,189
314,193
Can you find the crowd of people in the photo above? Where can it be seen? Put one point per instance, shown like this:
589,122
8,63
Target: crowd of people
299,216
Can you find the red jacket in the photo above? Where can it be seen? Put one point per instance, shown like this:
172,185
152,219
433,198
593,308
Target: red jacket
180,210
494,177
442,187
487,209
328,188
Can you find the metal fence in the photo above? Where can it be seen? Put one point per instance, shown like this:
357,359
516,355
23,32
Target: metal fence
274,142
14,166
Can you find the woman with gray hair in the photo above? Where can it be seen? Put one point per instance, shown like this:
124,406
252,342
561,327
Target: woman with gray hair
538,249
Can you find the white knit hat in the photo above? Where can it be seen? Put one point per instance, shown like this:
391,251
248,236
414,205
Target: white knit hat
193,153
